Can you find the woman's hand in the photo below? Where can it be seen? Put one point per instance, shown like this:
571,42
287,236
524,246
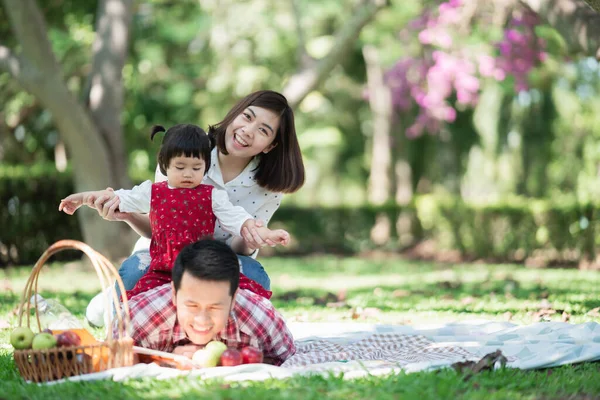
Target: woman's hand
108,207
251,236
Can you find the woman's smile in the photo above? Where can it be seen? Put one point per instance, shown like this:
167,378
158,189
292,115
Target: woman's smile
239,141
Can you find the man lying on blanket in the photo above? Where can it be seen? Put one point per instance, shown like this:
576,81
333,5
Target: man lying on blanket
204,303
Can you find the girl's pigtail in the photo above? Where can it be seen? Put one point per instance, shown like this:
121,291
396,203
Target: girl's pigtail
155,130
212,140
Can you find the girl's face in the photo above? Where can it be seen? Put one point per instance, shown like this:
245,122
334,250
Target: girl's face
252,132
185,172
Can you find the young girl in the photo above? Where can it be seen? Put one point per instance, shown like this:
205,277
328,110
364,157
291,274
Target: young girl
257,158
182,209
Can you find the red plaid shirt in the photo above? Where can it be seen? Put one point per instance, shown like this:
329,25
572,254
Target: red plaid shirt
253,321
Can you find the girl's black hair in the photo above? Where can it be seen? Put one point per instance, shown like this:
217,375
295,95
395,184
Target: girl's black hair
183,139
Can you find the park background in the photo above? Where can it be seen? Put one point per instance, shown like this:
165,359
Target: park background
463,129
452,153
442,130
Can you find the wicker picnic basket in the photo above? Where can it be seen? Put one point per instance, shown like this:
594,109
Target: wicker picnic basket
91,355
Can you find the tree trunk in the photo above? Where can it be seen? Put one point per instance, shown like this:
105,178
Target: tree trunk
309,77
577,23
37,70
381,156
105,82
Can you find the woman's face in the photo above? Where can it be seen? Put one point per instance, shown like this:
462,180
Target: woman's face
252,132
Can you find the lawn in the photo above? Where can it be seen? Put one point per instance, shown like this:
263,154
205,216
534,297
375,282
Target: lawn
350,290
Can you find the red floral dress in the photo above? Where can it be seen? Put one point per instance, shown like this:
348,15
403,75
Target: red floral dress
179,217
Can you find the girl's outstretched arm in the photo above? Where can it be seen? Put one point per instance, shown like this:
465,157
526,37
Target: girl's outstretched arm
71,203
107,207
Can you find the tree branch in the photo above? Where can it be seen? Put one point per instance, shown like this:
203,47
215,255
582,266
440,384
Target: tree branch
576,22
595,4
29,27
302,56
307,79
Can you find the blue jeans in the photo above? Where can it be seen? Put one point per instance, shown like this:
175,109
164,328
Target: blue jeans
255,271
133,268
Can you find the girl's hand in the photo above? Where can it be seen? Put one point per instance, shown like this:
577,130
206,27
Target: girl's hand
277,236
71,203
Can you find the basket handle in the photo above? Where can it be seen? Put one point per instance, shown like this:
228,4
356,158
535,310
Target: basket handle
106,272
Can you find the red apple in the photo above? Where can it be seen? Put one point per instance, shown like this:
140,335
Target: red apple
252,355
68,339
231,357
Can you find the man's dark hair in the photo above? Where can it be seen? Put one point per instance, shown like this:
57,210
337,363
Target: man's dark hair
208,260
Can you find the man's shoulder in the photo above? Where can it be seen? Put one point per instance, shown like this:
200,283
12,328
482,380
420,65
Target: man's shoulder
157,299
245,296
251,306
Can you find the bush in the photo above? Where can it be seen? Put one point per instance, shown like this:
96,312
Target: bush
509,231
29,214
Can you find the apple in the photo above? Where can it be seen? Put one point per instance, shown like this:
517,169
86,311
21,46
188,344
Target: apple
231,357
252,355
216,348
43,340
67,339
21,338
205,358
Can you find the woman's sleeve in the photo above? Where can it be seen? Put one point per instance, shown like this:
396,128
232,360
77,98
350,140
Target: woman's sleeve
268,208
136,200
230,217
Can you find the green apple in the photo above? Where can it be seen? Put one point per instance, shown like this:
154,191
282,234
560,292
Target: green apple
205,358
21,338
216,348
43,341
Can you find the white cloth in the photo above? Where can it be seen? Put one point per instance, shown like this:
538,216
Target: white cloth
540,345
230,217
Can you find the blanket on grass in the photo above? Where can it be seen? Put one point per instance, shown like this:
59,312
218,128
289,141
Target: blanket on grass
367,349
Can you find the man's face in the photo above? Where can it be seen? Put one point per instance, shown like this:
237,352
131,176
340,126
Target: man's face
202,307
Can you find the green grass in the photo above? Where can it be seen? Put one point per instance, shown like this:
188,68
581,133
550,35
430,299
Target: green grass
384,291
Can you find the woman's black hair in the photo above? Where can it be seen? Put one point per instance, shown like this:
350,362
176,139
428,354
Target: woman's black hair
183,139
282,168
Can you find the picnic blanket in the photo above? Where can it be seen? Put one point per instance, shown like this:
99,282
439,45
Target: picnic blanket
366,349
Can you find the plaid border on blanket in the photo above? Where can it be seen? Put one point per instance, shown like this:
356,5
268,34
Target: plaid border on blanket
391,347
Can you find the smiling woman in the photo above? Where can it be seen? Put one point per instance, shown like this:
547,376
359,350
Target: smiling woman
182,210
256,159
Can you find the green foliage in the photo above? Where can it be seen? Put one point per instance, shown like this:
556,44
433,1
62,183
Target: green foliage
343,229
560,230
29,216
